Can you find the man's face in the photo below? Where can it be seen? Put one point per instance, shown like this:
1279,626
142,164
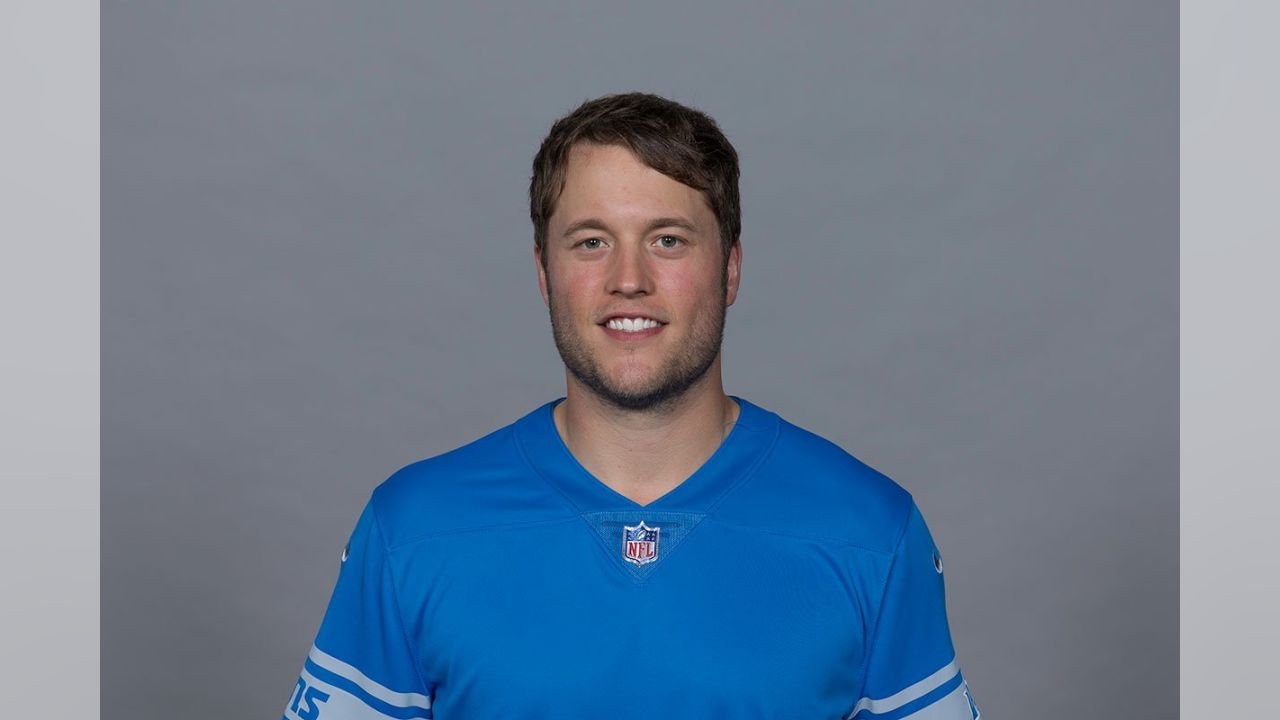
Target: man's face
628,246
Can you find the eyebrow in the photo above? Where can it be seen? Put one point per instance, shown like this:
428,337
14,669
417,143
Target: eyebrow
597,224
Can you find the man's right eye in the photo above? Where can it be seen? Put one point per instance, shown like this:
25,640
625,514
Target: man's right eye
585,243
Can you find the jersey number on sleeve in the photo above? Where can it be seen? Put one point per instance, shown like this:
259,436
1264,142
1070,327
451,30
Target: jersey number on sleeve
310,696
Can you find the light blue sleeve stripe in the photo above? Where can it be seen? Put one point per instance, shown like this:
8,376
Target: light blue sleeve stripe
953,706
351,688
318,698
367,684
917,690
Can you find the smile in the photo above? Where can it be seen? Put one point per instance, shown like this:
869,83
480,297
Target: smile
636,324
632,328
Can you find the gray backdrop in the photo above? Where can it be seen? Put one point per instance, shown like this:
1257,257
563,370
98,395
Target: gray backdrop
960,263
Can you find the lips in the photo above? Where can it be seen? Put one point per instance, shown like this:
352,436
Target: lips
629,316
632,324
631,327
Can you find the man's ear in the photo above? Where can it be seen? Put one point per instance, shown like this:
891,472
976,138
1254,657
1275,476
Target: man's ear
734,269
542,274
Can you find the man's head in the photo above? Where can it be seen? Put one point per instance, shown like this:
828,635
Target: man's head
677,141
635,207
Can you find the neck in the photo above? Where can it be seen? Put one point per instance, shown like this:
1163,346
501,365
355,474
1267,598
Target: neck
644,454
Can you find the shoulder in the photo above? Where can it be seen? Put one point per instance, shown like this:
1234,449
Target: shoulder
480,484
810,486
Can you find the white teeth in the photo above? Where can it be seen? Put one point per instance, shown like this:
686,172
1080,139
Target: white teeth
632,324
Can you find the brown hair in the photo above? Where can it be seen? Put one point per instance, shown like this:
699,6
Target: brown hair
677,141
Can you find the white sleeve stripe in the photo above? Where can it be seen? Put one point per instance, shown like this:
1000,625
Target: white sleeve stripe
911,692
953,706
335,704
369,685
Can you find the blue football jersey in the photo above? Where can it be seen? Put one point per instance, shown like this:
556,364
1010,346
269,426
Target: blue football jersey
783,579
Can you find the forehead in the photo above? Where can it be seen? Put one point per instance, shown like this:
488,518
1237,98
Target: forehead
610,180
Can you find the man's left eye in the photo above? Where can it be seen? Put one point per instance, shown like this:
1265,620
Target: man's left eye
663,240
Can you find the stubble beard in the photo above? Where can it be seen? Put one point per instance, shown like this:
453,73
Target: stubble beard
674,377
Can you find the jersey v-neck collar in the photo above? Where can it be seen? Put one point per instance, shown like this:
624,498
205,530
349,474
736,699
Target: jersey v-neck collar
748,442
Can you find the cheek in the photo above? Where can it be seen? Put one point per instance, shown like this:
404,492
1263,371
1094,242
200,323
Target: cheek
572,290
689,291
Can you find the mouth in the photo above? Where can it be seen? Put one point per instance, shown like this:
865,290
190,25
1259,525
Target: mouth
637,327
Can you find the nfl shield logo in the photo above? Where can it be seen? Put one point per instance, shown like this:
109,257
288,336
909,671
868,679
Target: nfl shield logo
639,543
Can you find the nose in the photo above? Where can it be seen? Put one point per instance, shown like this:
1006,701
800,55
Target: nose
629,274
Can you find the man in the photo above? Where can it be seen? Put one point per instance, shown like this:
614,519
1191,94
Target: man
646,546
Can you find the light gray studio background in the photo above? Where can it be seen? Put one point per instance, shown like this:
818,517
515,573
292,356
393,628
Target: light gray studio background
960,263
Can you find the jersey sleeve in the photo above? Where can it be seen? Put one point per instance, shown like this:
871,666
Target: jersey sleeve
911,668
361,666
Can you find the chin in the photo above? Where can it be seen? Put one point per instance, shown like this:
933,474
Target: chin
633,385
631,371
